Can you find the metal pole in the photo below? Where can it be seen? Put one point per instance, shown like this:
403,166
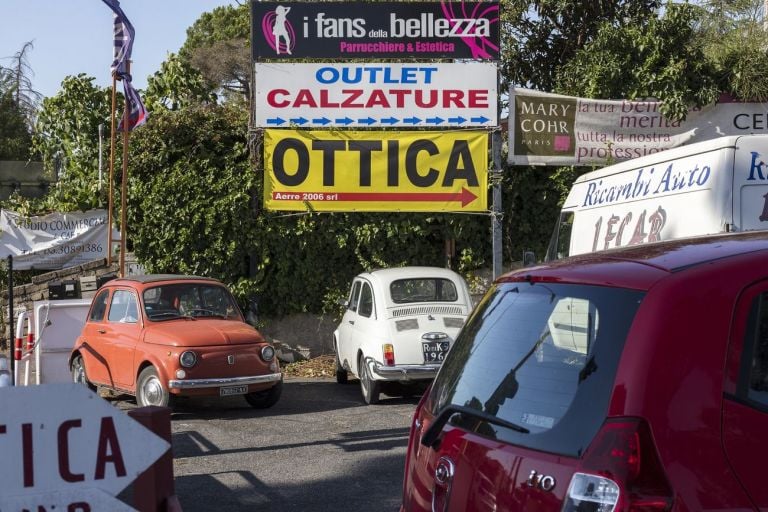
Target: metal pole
124,184
496,211
113,143
101,150
11,333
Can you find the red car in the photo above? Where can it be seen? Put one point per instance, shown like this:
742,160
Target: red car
627,380
163,336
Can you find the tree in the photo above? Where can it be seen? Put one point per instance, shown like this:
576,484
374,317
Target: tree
662,59
15,139
217,45
177,85
67,137
18,106
542,35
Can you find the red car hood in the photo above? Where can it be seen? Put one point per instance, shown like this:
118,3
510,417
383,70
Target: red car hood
198,333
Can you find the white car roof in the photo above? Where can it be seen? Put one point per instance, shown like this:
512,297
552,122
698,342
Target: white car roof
387,275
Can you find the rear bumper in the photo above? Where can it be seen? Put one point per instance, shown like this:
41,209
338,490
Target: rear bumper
403,371
215,383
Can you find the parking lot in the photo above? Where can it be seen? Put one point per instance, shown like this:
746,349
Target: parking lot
318,449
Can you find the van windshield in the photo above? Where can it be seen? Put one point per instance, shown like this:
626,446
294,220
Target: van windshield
540,356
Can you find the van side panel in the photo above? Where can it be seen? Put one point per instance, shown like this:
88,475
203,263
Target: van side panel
662,200
750,201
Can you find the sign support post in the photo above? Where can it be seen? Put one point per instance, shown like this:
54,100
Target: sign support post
497,213
11,336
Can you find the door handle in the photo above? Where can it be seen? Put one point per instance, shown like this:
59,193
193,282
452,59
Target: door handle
101,331
352,322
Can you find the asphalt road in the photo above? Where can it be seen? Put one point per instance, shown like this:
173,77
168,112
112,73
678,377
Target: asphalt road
318,449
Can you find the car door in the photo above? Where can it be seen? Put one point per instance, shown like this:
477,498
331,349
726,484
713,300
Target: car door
347,348
745,401
367,330
91,339
118,341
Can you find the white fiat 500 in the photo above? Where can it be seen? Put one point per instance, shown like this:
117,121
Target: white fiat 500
398,325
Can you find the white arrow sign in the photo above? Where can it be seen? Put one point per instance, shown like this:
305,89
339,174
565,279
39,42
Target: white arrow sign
73,500
59,437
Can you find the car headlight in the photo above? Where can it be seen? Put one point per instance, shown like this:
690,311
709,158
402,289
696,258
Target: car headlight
267,353
188,359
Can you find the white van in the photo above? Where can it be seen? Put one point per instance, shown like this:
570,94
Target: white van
715,186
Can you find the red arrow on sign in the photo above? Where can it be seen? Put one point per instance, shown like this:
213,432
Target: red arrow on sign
465,196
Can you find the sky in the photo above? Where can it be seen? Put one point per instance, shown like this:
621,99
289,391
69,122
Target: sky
75,36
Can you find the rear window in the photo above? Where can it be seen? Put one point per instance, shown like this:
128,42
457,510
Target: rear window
404,291
541,356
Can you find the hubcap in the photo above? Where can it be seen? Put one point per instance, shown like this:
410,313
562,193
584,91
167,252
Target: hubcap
152,391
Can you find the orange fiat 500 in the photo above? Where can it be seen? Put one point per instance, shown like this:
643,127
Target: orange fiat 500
161,336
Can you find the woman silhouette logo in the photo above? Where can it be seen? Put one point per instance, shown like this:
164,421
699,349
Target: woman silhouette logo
282,29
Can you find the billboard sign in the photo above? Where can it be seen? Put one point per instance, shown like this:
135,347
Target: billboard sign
381,171
433,95
551,129
373,30
53,241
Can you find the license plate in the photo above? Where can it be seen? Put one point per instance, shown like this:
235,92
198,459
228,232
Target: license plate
233,390
434,351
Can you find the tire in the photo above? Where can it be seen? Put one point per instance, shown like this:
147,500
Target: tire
78,373
342,377
265,399
371,388
150,390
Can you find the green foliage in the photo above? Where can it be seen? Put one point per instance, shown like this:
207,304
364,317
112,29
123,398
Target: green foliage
15,139
542,35
662,59
190,186
67,137
177,85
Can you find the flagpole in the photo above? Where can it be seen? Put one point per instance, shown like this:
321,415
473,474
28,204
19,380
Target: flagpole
124,184
113,143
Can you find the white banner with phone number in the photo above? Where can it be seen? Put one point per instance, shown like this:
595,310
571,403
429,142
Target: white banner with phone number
53,241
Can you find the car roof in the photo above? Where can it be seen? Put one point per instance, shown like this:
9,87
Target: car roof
152,278
640,266
393,274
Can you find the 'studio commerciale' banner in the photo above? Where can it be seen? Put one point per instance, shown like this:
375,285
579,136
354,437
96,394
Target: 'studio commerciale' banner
53,241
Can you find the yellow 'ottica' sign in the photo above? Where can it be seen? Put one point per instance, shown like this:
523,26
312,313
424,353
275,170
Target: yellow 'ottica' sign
376,171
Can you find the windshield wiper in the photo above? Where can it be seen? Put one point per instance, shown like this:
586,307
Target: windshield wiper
431,434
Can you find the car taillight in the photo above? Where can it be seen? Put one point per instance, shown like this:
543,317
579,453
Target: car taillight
621,471
389,354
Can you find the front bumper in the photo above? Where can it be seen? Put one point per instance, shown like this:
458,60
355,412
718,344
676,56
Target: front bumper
403,371
215,383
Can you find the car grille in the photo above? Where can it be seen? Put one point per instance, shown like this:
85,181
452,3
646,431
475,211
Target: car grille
426,310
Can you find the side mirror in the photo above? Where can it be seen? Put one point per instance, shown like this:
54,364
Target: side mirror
343,303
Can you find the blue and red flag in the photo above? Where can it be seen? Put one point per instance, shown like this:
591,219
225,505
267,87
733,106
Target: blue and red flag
123,41
136,113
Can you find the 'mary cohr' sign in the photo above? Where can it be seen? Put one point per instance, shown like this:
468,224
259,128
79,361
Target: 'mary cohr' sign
457,30
382,171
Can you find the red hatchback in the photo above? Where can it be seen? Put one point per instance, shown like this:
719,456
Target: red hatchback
627,380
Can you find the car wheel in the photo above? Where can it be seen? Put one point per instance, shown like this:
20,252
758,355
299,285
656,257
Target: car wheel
265,399
150,390
78,373
342,377
371,388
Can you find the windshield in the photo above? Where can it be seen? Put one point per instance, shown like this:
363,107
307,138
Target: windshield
539,356
404,291
189,300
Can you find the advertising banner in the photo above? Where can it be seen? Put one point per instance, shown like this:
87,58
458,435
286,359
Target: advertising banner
314,95
373,30
551,129
53,241
376,171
